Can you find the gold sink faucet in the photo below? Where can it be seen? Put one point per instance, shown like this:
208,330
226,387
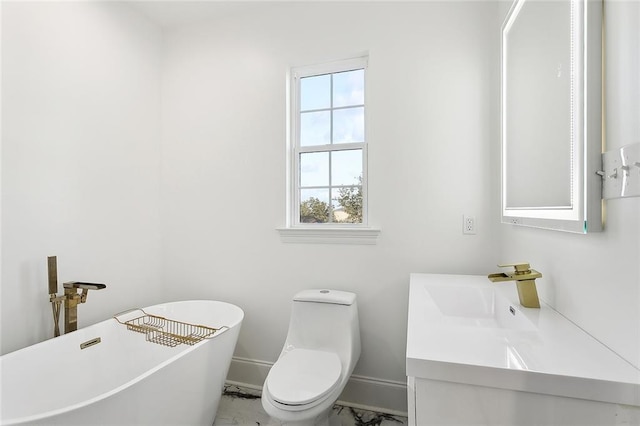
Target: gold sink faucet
525,279
70,299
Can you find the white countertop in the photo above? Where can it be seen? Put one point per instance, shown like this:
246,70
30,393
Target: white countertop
466,329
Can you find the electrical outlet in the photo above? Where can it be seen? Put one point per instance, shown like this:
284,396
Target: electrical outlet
468,225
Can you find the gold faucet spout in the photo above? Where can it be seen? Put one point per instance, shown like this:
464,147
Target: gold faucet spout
525,279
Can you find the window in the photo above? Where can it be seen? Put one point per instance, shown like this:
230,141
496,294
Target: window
329,145
327,151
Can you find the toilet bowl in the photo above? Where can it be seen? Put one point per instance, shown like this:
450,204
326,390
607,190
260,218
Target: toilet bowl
318,357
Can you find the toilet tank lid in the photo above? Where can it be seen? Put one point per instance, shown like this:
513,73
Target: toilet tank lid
325,296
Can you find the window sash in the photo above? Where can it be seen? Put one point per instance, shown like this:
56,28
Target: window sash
310,71
297,187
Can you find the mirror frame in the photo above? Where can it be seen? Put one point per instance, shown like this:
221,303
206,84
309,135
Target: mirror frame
585,212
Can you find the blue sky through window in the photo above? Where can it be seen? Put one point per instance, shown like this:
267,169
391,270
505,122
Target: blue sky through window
315,92
348,88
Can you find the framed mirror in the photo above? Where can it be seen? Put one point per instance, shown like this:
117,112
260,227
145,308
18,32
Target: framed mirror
551,115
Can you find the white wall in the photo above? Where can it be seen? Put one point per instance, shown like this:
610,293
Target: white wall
431,73
80,160
594,279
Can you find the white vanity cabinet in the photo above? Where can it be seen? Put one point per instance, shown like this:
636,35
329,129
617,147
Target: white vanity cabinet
476,357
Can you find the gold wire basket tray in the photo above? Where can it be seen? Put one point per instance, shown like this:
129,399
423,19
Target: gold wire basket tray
167,332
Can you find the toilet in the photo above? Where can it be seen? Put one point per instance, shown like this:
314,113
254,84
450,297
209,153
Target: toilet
321,349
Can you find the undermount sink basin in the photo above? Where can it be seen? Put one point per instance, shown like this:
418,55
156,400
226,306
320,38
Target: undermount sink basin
480,307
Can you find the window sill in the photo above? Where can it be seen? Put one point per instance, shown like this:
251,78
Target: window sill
322,235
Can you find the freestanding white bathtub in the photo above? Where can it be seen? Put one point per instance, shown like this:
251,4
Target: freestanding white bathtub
123,380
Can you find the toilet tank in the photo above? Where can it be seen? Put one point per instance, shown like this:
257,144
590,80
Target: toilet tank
325,320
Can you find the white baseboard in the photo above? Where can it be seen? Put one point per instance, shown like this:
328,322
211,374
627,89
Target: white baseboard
370,393
250,372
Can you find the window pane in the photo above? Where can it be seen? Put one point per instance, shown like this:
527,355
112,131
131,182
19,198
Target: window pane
347,204
314,169
314,205
315,92
315,128
348,125
348,88
346,167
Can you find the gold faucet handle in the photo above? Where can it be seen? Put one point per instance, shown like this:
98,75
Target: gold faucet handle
521,268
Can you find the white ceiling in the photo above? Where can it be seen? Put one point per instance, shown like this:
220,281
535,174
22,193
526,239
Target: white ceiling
172,13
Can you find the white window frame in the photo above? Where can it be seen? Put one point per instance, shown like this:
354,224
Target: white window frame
331,232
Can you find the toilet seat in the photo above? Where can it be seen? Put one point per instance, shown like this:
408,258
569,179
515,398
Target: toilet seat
303,376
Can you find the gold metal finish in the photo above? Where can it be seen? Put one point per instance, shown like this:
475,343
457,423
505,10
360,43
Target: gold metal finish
90,343
52,269
71,298
528,294
525,279
56,301
167,332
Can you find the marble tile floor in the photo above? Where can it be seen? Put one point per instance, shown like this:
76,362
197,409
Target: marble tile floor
242,407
